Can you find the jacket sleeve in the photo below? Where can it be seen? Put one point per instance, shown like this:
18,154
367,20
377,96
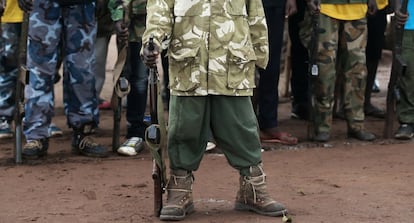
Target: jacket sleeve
159,21
258,31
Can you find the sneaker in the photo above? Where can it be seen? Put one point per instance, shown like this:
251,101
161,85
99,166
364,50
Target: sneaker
34,149
131,146
85,145
104,105
5,131
54,131
405,132
210,146
376,87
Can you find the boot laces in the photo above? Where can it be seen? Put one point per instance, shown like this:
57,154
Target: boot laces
34,144
86,142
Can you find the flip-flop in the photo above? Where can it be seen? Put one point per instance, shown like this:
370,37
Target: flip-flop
280,137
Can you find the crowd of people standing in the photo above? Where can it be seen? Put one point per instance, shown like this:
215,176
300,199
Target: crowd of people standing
214,50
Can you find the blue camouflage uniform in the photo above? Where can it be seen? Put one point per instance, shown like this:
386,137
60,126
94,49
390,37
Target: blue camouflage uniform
49,24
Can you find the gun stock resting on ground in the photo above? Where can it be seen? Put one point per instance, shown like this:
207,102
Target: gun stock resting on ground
397,70
155,136
19,94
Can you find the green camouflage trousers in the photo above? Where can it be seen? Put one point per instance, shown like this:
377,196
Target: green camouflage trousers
405,106
341,51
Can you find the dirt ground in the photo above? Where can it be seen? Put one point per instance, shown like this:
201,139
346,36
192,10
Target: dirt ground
343,181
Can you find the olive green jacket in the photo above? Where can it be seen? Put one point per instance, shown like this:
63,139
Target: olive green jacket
214,45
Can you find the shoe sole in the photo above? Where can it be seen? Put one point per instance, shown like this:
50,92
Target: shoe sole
404,137
245,207
95,155
187,211
6,136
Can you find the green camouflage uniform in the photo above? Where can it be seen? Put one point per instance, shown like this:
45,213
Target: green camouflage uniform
214,47
341,48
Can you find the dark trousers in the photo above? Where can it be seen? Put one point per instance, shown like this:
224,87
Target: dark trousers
299,60
269,78
137,75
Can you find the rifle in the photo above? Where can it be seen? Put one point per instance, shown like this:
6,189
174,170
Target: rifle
155,135
313,70
121,86
19,94
397,70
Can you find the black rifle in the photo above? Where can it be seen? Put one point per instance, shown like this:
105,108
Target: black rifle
397,70
313,70
155,135
19,94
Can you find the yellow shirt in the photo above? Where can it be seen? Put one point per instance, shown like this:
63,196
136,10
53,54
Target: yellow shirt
345,11
12,13
381,4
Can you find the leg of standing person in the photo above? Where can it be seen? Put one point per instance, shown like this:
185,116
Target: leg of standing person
299,57
101,46
269,79
9,44
234,127
376,27
79,85
137,75
405,106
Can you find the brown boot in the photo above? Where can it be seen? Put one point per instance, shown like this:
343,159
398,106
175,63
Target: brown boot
253,196
180,196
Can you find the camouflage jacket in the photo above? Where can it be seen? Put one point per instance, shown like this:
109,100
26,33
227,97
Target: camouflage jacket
214,46
135,13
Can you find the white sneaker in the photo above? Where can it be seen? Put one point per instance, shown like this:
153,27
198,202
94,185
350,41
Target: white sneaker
210,146
131,146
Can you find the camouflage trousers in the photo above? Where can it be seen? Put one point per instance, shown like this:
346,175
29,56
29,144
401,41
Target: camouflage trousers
9,48
71,29
341,51
405,105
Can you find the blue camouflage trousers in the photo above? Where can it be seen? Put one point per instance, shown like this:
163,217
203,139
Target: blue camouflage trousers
73,28
9,49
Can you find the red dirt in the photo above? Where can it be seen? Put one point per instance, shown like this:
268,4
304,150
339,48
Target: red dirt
340,181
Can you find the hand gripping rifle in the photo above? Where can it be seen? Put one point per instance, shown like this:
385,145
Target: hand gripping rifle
155,135
397,70
313,70
121,86
19,94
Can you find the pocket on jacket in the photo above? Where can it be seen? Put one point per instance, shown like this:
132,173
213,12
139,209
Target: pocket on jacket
184,70
241,68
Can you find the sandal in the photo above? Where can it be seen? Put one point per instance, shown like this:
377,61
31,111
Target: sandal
278,137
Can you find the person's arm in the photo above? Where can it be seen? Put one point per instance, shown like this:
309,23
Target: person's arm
159,22
258,31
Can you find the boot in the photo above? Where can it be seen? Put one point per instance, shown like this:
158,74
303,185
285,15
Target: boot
180,196
35,149
253,196
85,145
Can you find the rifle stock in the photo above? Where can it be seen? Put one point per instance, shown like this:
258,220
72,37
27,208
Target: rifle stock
397,70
